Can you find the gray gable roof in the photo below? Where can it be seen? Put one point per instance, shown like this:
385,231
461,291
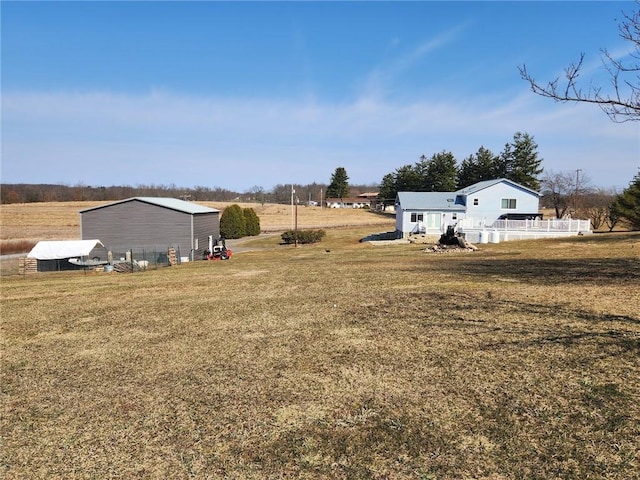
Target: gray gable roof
166,202
430,200
476,187
454,201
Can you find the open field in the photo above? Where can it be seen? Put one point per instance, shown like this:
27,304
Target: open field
337,360
24,224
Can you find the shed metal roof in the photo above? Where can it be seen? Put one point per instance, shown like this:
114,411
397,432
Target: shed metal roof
166,202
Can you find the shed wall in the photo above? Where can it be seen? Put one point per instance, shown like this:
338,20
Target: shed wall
204,224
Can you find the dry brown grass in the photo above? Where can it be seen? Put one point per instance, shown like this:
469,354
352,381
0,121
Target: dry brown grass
275,217
519,361
41,221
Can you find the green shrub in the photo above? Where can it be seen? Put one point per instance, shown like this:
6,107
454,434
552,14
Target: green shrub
251,222
232,222
304,236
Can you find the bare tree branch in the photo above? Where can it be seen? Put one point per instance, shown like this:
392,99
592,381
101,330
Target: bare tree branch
622,103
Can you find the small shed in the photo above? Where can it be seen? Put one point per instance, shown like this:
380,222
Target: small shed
152,224
55,255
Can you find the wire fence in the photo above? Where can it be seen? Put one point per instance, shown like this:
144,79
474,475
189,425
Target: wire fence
144,258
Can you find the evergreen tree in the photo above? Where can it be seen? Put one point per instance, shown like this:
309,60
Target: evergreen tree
388,191
408,179
339,186
488,165
251,222
484,165
626,205
468,172
441,173
519,161
232,223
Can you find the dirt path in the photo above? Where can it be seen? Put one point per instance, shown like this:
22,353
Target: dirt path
237,245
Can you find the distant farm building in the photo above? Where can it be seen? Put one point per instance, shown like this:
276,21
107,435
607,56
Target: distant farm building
351,202
152,224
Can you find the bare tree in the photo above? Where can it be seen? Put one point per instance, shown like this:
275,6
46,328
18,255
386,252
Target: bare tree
563,190
596,206
257,194
612,219
622,102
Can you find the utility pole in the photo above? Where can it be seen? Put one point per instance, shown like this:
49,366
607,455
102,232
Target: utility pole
575,197
292,213
295,235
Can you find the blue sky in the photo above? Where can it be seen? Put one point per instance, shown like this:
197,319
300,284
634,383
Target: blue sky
243,94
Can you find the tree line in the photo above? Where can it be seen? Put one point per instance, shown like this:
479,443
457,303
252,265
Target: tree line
519,161
281,193
31,193
305,193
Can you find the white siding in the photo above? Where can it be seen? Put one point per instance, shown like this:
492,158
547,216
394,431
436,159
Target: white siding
489,206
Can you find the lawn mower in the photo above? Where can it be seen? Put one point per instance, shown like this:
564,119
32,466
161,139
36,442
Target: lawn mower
217,250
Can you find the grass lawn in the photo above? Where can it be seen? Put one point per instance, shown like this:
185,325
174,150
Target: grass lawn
336,360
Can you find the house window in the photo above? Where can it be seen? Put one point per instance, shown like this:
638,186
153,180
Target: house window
475,201
508,203
417,217
454,216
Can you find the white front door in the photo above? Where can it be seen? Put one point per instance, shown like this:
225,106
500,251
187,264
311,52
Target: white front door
433,221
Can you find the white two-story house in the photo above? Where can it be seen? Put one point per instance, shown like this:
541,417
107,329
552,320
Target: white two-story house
484,202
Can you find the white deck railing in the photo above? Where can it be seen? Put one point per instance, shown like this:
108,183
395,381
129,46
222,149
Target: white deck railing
535,225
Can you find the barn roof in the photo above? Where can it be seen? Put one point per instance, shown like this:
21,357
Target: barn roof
166,202
58,249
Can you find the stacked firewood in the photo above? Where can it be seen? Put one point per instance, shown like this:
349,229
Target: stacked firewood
27,265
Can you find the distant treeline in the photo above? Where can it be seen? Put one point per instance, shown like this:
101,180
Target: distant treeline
31,193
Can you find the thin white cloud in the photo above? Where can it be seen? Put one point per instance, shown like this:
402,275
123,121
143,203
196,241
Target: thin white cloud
382,77
163,137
